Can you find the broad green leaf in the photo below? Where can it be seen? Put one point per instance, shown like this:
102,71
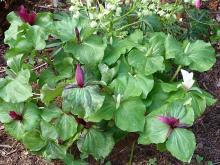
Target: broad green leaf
155,131
145,64
48,93
17,89
37,37
133,111
98,144
11,35
33,141
15,63
139,84
105,112
54,151
66,126
83,101
64,28
181,143
15,129
31,116
48,131
5,108
202,56
107,73
180,111
156,41
113,52
136,37
51,112
44,19
89,52
64,66
173,48
198,103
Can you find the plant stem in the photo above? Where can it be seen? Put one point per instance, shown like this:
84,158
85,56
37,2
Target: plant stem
132,152
176,73
126,26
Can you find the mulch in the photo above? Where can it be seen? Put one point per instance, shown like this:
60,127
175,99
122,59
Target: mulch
206,129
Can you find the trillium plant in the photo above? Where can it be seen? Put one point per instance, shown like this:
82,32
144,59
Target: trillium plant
69,84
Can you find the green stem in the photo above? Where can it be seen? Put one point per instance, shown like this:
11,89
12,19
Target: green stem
132,153
176,73
126,26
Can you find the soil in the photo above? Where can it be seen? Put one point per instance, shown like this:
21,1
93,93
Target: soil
206,129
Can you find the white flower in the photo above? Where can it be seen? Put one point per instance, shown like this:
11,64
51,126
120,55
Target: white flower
93,24
187,79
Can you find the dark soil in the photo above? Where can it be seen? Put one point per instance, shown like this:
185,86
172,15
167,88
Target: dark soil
206,129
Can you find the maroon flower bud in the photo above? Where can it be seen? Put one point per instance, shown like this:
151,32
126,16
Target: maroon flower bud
171,121
15,116
83,122
26,16
79,75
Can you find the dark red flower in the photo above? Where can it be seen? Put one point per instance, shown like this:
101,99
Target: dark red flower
26,16
15,116
83,122
79,76
171,121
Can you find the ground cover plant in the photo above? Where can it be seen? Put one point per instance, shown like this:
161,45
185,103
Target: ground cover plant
108,72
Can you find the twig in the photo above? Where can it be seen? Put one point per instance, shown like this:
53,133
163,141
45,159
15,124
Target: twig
36,68
5,146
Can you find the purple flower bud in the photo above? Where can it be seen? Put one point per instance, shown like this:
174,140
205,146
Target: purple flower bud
25,16
79,76
15,116
171,121
198,4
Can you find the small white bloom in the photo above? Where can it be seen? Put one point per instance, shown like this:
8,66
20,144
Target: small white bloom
187,79
93,24
72,8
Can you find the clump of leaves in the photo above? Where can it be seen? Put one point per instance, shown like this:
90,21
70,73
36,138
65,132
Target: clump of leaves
97,87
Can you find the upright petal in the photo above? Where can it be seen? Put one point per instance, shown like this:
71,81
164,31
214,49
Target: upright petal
25,16
187,79
198,4
79,76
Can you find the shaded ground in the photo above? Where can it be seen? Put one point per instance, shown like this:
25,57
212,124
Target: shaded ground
207,131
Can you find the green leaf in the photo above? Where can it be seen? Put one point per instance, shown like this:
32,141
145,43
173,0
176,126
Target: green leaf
5,108
155,131
48,130
66,127
54,151
105,112
136,37
15,129
50,113
113,52
83,101
173,48
31,116
44,19
33,141
17,89
139,84
37,37
145,64
156,41
202,56
48,93
98,144
89,52
181,144
60,62
133,111
198,103
107,73
15,63
64,28
11,35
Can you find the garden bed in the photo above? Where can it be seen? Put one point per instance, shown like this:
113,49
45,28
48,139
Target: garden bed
206,129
